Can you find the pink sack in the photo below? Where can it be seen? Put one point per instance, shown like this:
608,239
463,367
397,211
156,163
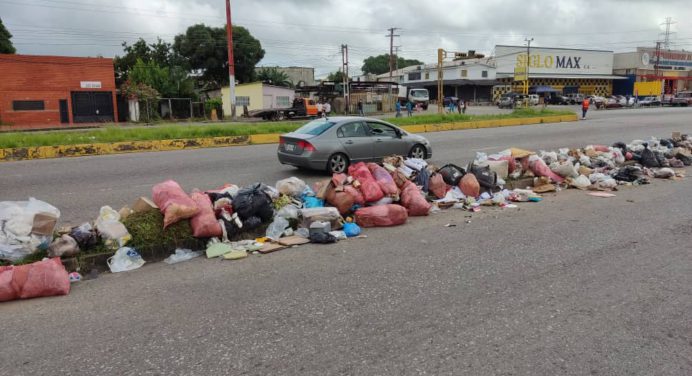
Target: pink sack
511,163
437,186
42,278
470,186
539,168
173,202
204,223
381,216
358,198
384,179
414,202
601,148
368,186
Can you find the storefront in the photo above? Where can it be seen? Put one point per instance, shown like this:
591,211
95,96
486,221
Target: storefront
589,72
674,69
56,90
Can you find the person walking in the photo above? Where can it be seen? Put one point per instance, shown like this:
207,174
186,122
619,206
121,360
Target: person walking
397,106
584,108
409,108
319,109
463,110
327,109
460,103
360,108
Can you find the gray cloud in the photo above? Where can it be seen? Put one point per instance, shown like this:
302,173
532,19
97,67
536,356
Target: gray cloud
309,32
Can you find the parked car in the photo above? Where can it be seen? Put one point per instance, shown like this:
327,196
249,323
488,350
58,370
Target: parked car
333,144
613,102
574,98
558,99
683,98
511,100
598,101
533,99
650,101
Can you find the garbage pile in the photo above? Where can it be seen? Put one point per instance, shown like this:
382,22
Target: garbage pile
295,213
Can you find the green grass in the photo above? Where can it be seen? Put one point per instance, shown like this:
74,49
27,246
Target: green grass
449,118
112,134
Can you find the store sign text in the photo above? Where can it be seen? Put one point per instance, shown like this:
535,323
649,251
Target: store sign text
551,62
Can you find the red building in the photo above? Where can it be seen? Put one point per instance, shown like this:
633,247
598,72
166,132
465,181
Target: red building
40,91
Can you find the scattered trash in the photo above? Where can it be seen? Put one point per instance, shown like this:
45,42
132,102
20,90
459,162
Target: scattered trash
351,229
181,255
235,255
322,238
277,228
452,225
74,277
601,194
64,246
173,202
125,259
42,278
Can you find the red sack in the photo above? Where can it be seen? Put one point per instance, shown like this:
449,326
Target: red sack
368,186
511,163
469,185
204,223
42,278
601,148
539,168
437,186
358,198
383,179
414,202
342,200
381,216
339,179
173,202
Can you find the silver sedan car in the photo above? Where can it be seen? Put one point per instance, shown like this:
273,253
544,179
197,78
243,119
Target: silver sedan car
334,143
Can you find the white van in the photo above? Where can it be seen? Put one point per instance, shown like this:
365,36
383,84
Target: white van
533,99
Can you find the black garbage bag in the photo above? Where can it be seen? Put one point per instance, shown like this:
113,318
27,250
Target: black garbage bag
231,228
322,238
85,235
423,179
252,223
213,196
661,158
667,143
252,201
648,158
687,160
485,176
622,146
452,174
628,174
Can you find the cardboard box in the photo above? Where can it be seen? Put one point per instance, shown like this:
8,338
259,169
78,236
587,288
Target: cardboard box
44,224
521,183
143,205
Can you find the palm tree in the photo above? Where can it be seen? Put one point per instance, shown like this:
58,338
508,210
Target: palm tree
274,76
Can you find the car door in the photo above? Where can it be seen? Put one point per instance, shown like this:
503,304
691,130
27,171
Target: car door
386,140
355,139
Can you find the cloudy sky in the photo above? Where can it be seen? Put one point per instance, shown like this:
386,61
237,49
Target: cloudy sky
310,32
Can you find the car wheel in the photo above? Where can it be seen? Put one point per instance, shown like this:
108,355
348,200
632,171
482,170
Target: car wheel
418,151
338,163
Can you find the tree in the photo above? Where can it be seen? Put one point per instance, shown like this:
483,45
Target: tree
337,76
6,46
274,76
152,75
159,52
204,48
380,64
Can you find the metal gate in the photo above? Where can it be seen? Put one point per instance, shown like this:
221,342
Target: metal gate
92,106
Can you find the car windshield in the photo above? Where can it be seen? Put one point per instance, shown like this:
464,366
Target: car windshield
419,93
315,127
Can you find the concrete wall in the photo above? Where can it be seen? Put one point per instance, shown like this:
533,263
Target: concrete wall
256,92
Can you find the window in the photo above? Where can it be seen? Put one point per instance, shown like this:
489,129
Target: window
242,101
355,129
28,105
414,76
427,75
379,129
484,73
315,127
464,73
283,101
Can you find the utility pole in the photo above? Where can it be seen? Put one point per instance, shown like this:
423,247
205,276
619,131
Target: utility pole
231,64
441,54
344,69
666,40
528,63
391,36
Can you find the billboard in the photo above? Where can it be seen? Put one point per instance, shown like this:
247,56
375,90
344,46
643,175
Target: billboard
677,60
553,61
647,88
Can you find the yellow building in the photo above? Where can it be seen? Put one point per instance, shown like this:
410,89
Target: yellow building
256,96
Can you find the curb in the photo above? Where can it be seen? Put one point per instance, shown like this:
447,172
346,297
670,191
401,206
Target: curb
81,150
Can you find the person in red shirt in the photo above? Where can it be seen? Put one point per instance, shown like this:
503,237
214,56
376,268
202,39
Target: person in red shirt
584,108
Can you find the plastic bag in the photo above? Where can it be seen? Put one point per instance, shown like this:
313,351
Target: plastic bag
451,174
291,186
312,202
664,173
253,201
326,214
64,246
125,259
277,228
204,223
113,232
42,278
289,212
173,202
648,158
565,169
383,179
581,182
413,200
381,216
437,186
85,235
469,186
181,255
368,186
539,168
322,238
351,229
486,177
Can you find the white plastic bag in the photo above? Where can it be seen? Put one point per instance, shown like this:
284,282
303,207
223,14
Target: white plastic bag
111,229
181,255
125,259
289,212
581,182
277,228
291,186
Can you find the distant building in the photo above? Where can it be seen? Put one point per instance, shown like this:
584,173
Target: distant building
56,90
256,96
674,69
299,76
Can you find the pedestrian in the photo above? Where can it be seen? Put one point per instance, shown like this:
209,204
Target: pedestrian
360,108
397,106
319,109
409,108
463,111
327,109
584,108
459,104
451,105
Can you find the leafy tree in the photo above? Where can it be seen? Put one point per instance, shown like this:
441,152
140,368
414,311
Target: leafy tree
204,48
153,75
380,64
337,76
6,46
274,76
160,52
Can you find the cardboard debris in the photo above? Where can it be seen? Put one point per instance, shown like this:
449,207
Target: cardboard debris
271,247
293,240
520,153
143,205
545,188
235,255
44,224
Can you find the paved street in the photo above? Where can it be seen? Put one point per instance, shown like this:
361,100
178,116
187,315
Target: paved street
573,285
80,186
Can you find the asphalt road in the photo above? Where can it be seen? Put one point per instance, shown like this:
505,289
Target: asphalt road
573,285
80,186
